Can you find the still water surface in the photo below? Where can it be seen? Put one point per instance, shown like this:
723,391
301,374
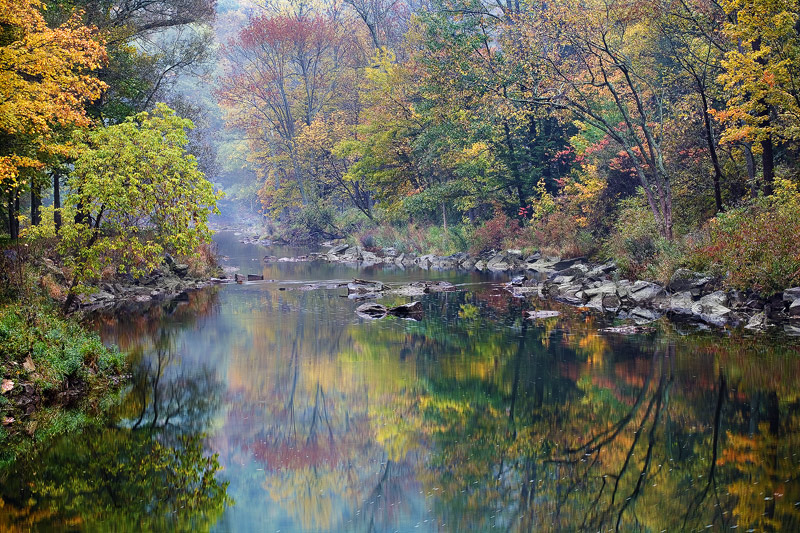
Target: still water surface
471,420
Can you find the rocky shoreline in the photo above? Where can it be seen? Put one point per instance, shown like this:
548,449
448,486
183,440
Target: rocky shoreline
689,296
171,282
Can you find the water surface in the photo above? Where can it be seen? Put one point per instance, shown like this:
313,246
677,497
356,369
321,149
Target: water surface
471,420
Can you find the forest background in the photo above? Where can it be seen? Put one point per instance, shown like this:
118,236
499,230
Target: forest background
660,134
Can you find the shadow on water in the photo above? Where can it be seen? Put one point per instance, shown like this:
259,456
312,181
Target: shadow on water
310,418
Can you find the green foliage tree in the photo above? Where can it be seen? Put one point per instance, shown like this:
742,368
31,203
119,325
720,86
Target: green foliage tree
137,194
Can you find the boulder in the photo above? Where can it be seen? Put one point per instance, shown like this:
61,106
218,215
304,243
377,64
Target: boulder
468,263
680,304
353,253
369,257
712,309
611,302
501,262
254,277
180,269
338,250
641,315
790,295
459,258
543,264
575,271
371,310
239,278
644,292
600,272
757,322
794,308
542,314
411,310
425,261
609,287
687,280
360,287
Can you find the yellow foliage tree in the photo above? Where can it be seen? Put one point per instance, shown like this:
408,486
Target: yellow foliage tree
45,80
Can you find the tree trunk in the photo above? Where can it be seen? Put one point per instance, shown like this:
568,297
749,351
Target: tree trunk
13,212
57,201
768,165
712,148
751,170
36,203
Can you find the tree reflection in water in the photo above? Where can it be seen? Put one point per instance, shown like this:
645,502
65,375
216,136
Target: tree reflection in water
144,467
469,420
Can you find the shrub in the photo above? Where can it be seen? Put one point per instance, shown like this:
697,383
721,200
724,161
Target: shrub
634,243
757,246
495,233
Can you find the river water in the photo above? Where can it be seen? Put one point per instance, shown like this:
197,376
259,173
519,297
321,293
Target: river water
270,406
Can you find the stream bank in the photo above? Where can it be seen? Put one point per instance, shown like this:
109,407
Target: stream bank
689,296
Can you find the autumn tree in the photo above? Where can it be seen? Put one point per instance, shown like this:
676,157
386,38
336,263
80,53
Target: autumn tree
46,78
136,194
599,61
282,71
761,73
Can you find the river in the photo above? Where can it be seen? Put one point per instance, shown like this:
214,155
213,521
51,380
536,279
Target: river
269,406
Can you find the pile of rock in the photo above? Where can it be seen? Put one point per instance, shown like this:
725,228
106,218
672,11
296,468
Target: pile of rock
688,296
172,281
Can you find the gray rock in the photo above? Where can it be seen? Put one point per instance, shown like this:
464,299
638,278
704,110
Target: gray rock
501,262
254,277
181,269
611,302
353,253
687,280
595,302
681,303
371,310
712,309
794,308
790,295
575,271
757,322
641,315
644,292
425,261
608,287
411,310
369,257
338,250
360,286
600,272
